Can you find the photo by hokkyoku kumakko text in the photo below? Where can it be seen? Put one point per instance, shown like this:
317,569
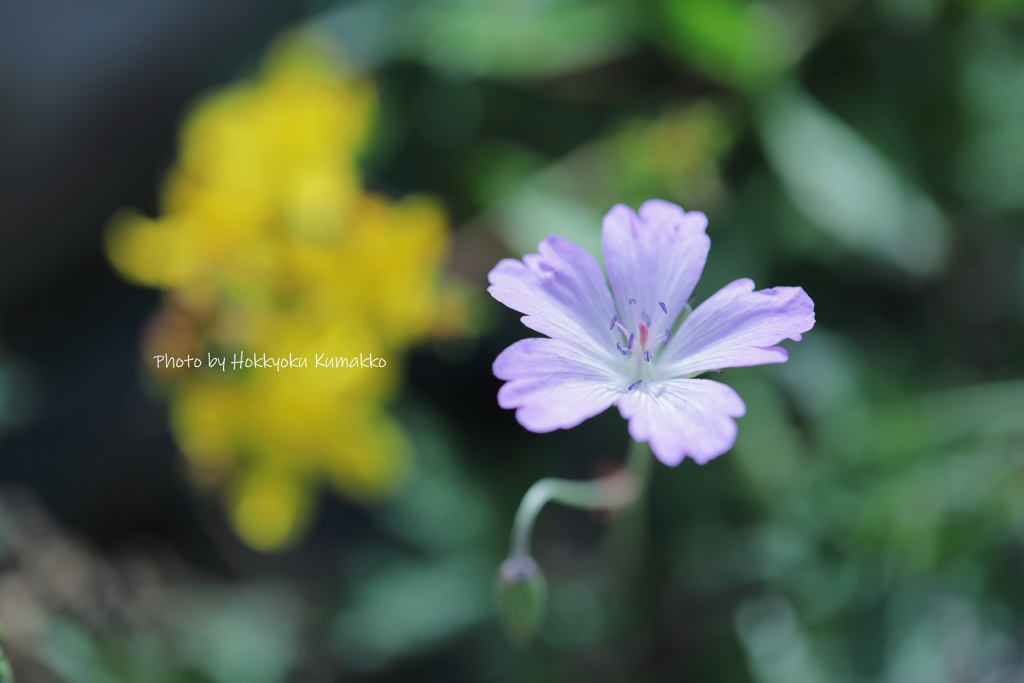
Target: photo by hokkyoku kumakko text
384,341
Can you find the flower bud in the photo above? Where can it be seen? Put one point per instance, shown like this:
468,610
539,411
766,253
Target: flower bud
522,598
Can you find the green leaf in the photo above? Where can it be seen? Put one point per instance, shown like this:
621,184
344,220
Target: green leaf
848,188
498,39
738,42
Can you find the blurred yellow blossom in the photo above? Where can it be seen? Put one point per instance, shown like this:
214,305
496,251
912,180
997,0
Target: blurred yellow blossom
267,243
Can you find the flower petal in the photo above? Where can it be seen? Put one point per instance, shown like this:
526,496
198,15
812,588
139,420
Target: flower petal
684,417
738,327
657,256
563,293
551,385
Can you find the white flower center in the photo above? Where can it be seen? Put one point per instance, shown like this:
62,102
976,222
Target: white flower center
640,344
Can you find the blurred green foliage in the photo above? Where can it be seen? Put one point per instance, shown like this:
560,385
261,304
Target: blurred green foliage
868,525
5,670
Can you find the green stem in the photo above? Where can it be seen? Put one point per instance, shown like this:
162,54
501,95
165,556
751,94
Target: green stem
612,493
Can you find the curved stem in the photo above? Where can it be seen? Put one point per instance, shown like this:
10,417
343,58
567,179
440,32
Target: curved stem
614,492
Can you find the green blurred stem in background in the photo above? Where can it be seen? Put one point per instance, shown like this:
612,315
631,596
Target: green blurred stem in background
612,493
6,675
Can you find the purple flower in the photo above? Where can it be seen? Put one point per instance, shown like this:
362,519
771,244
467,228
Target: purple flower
638,344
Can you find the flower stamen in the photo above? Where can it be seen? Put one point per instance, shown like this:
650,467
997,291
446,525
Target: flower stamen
643,331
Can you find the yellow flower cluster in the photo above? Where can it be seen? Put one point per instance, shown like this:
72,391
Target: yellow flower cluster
267,244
